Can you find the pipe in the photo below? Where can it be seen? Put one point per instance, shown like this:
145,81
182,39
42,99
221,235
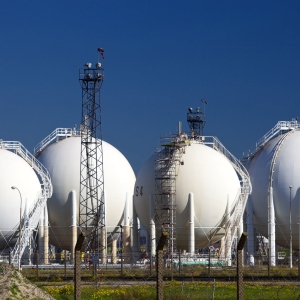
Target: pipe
228,238
152,226
271,229
135,239
126,230
250,229
191,244
73,225
46,236
41,238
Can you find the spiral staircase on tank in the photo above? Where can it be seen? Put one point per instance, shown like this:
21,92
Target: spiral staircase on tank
31,218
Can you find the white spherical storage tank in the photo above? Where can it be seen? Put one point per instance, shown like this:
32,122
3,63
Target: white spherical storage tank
275,170
205,173
15,171
62,159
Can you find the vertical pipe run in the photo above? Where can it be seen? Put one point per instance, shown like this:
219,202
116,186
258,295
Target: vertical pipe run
135,238
271,229
250,229
191,224
152,226
41,237
126,230
228,238
46,236
73,225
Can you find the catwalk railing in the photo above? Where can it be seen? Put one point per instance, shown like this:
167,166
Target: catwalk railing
54,136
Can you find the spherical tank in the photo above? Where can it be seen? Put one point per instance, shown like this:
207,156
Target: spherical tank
277,165
62,159
205,173
15,171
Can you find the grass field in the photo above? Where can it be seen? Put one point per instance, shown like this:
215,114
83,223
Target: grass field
178,290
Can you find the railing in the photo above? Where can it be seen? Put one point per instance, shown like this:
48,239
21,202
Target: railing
280,126
32,218
238,206
214,143
55,136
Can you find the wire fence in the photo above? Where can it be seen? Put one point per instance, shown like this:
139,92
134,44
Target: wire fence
201,276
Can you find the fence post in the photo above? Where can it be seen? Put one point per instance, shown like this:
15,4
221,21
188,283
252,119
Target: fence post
159,265
240,283
77,269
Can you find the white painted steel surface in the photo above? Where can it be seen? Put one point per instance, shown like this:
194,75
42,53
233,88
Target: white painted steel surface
282,166
15,171
62,159
205,173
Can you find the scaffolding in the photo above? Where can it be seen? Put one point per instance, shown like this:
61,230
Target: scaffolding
91,201
166,169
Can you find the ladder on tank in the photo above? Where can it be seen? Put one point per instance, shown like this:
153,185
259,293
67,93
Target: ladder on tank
31,219
166,170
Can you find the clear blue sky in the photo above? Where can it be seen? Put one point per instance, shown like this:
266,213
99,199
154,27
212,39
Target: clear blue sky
161,57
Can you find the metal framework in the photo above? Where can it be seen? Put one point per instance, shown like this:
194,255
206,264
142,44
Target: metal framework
91,201
196,121
31,219
166,170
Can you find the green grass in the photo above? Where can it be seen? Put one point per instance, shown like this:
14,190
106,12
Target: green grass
179,291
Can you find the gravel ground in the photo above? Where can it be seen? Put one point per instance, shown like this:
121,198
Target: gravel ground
14,286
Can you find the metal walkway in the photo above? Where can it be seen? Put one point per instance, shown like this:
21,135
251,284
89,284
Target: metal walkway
280,128
32,218
55,136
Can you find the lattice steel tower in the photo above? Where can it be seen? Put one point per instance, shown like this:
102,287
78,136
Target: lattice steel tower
196,121
91,201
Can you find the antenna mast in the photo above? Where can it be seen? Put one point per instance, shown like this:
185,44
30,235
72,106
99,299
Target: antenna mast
91,201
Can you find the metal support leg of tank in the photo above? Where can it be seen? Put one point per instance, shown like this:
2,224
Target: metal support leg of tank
135,237
46,236
104,244
228,237
251,236
152,231
240,231
271,229
114,252
152,226
41,240
126,231
73,225
191,244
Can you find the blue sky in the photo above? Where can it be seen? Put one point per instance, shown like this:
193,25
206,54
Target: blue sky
161,57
